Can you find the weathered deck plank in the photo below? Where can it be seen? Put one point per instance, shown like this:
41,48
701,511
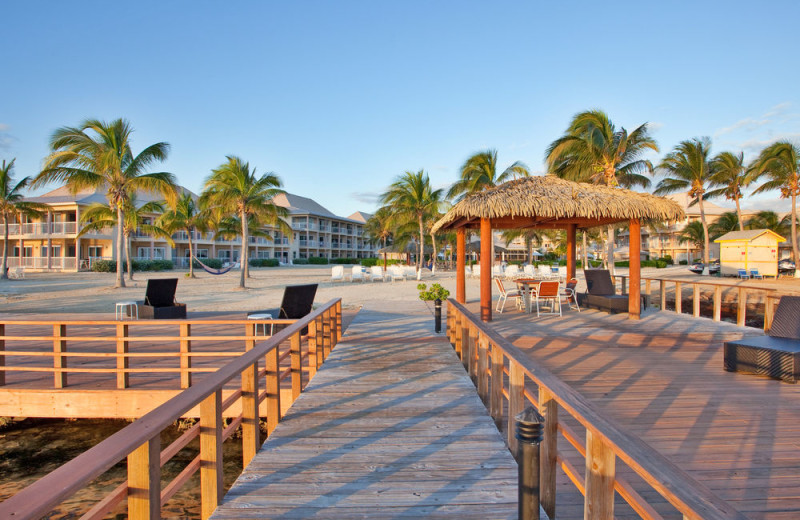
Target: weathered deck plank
391,426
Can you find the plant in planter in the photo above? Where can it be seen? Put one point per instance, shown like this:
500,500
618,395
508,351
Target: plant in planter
436,293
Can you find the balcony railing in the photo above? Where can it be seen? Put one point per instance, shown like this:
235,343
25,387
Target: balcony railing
44,228
41,262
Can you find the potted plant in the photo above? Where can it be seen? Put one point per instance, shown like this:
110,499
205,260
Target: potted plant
436,293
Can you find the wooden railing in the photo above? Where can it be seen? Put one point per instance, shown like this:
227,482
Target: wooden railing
139,442
491,360
770,296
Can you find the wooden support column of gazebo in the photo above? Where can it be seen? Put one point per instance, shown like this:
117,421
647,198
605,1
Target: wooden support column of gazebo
547,202
461,262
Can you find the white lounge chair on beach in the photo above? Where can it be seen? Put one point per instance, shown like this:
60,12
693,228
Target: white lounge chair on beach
512,272
476,271
410,271
530,271
395,272
337,273
376,273
356,274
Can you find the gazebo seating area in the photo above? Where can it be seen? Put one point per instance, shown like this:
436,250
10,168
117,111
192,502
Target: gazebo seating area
601,293
775,355
159,301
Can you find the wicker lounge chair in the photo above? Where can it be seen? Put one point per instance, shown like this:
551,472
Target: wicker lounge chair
297,303
775,355
601,293
159,301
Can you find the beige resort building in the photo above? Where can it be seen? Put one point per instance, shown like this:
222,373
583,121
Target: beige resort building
50,243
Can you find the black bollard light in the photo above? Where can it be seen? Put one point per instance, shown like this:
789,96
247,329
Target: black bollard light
529,434
437,316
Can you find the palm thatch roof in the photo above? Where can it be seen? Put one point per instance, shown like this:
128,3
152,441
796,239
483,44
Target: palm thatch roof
551,202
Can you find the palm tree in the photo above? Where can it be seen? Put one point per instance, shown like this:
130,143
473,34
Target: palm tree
695,234
727,222
379,228
98,153
12,204
529,235
770,220
594,150
780,163
687,167
730,174
411,197
233,189
185,215
479,172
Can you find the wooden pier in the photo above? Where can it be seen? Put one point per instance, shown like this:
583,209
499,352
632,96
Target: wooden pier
390,427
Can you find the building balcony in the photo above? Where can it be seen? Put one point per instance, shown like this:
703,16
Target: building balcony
43,228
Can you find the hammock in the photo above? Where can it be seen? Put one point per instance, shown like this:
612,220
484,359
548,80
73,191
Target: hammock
211,270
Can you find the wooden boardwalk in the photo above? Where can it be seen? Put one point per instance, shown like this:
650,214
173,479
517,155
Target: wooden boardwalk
662,379
391,426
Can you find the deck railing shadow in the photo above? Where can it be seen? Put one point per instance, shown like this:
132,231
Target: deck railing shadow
504,375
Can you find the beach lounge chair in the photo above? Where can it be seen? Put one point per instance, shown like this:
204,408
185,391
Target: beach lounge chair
505,295
548,292
337,273
571,294
356,274
562,273
17,273
497,270
410,271
755,275
743,274
601,293
530,271
395,272
297,302
159,301
512,272
476,271
376,273
775,355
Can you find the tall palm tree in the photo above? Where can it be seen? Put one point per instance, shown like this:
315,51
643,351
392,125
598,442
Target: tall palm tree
379,228
727,222
98,217
687,167
529,235
12,204
412,197
98,153
233,189
780,163
730,174
695,234
594,150
770,220
479,172
186,215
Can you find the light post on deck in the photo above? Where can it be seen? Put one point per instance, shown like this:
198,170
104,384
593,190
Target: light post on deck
530,425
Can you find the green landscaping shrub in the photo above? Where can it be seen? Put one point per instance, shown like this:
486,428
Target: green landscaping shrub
317,260
300,261
683,262
667,259
264,262
344,260
104,266
214,263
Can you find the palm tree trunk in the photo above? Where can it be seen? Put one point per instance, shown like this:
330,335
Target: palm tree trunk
611,249
191,255
795,255
128,258
585,252
739,215
244,249
433,254
421,248
4,272
384,254
120,279
705,234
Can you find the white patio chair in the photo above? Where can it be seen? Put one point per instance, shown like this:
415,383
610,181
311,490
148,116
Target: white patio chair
562,273
571,294
497,270
376,273
548,292
476,271
467,271
530,271
410,272
395,272
337,273
356,274
543,272
512,272
17,272
505,295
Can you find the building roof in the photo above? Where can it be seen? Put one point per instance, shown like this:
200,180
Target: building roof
360,216
709,207
747,235
88,196
298,205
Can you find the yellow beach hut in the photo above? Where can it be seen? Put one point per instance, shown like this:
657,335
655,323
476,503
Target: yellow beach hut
750,249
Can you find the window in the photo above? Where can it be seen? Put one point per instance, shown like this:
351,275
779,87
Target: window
95,251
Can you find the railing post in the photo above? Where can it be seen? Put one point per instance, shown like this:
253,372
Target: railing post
144,481
326,335
250,417
123,381
548,407
472,352
696,300
296,363
678,299
339,330
273,390
662,292
600,475
333,334
59,361
647,291
516,401
496,399
186,349
483,368
529,435
458,334
2,358
312,348
717,302
741,310
211,485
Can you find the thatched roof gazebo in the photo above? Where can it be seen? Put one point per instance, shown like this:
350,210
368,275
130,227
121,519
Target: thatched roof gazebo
549,202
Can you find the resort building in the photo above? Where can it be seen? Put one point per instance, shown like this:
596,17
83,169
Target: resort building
51,242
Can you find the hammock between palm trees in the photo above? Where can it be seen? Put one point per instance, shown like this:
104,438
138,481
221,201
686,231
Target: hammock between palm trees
211,270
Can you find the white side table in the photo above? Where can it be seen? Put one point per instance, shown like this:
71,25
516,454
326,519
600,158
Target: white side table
263,316
126,308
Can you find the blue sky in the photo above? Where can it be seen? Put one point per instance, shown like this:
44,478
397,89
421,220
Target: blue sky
338,98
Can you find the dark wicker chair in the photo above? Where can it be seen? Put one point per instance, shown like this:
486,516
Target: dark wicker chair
775,355
159,300
601,293
297,303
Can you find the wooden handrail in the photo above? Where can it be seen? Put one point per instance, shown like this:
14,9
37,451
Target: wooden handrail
46,493
608,440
